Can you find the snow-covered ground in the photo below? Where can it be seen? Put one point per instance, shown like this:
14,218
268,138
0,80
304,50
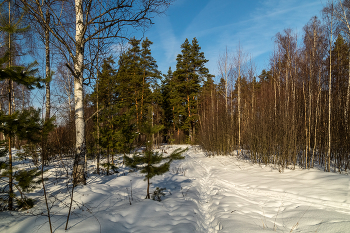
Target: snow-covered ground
218,194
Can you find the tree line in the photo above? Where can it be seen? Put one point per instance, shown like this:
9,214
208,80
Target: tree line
296,112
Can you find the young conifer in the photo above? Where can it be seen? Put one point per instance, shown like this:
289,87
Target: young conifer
152,163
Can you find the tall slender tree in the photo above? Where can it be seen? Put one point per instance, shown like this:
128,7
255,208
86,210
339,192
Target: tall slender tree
116,18
189,75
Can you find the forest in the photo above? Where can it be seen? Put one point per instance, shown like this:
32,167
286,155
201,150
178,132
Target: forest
109,103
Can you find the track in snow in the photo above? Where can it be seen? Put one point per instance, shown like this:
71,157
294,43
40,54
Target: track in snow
206,188
231,194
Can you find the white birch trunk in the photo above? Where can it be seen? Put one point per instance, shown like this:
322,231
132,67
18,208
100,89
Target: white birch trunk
79,171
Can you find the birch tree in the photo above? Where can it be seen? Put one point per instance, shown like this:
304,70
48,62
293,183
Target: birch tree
116,18
225,67
240,60
329,13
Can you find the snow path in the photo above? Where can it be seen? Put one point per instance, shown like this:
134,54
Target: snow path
205,188
236,196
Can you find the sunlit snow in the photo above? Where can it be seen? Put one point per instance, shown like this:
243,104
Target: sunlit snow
217,194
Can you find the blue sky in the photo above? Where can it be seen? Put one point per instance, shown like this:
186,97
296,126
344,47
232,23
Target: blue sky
218,24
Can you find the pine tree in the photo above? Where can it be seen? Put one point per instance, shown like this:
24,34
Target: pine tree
12,27
129,80
125,96
150,77
189,75
26,125
136,77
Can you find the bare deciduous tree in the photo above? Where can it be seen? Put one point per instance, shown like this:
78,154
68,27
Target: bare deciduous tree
115,18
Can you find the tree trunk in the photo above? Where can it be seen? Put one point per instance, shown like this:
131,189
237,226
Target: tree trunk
10,203
47,83
79,170
152,144
48,70
239,106
98,129
346,112
108,163
330,101
148,184
306,128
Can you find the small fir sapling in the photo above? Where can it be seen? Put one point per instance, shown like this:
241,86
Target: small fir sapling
26,125
110,166
158,194
152,163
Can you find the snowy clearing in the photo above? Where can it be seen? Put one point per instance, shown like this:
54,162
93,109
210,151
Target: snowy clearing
218,194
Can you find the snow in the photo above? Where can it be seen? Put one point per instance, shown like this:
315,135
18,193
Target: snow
217,194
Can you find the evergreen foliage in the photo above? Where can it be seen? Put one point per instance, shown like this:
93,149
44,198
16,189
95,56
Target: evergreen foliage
25,203
136,75
126,95
110,166
107,100
25,124
26,179
168,115
3,149
30,150
158,193
188,77
265,76
153,163
125,134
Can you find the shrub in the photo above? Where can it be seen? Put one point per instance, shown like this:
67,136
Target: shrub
158,194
